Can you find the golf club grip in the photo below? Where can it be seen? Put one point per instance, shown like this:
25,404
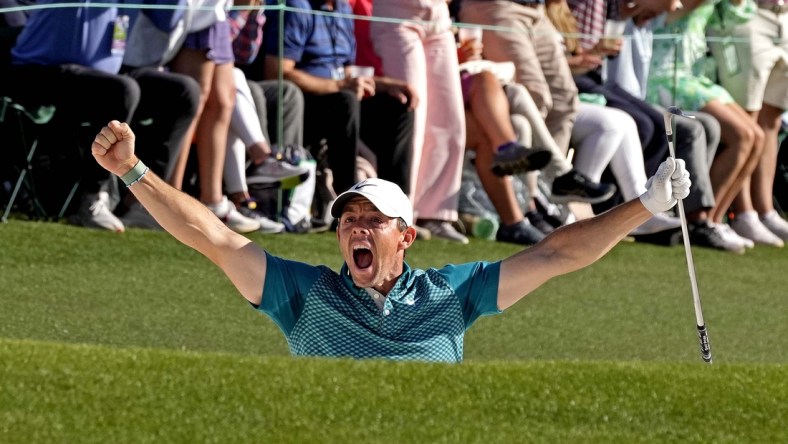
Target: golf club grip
705,346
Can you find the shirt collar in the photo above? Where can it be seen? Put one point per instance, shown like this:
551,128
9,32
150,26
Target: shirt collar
398,291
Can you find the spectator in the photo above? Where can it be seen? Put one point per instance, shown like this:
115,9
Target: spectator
423,54
207,56
533,46
588,18
603,136
490,123
64,52
531,43
319,49
677,77
696,139
247,126
753,67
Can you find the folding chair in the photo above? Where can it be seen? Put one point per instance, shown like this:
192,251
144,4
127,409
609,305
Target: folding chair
19,130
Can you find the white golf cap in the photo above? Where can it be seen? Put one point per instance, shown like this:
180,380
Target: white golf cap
387,197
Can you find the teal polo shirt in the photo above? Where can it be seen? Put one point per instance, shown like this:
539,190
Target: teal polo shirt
424,317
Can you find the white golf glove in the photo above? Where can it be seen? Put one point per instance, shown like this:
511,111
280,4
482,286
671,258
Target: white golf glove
663,189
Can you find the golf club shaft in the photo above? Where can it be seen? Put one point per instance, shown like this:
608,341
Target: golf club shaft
705,347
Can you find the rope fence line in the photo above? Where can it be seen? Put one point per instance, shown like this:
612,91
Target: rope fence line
26,8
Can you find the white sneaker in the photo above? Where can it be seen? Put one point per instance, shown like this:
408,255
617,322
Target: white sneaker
236,221
268,226
94,212
139,217
776,224
444,230
748,225
658,222
727,233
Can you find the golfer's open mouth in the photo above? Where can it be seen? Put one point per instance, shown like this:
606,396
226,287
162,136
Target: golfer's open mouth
362,257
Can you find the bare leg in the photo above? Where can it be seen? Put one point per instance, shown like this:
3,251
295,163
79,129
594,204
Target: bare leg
490,107
763,178
211,134
194,64
498,189
209,130
736,162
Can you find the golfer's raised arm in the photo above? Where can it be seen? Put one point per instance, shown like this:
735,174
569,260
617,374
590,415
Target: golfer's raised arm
580,244
181,215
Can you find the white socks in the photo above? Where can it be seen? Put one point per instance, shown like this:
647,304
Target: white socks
776,224
748,225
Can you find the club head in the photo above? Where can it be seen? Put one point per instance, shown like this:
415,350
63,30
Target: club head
676,111
668,117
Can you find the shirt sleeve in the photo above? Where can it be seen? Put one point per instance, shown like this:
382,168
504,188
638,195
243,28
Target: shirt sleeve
727,14
476,287
166,19
297,27
286,286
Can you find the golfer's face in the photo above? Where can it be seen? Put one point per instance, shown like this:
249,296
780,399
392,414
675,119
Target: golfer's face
370,242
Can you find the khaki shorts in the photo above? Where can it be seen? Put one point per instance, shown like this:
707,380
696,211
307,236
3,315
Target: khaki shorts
753,64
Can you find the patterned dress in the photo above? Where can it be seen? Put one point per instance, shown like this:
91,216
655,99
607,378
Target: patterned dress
678,66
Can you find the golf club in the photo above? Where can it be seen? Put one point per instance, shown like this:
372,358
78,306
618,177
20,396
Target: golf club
705,347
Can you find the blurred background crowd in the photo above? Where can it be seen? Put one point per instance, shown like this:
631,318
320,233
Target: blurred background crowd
502,119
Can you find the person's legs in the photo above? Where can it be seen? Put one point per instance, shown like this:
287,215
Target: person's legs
168,104
521,103
207,57
769,119
426,58
193,63
211,133
387,129
596,138
649,122
736,162
490,107
74,125
537,54
514,226
335,119
292,112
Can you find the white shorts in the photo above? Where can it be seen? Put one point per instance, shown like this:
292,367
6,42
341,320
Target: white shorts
753,66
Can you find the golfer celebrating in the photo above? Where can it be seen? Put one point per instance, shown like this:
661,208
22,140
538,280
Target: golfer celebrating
377,306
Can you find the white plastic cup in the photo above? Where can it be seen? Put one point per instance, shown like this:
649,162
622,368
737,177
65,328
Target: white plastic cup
614,30
355,71
473,33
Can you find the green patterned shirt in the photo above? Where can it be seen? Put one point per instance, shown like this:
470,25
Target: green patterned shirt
424,317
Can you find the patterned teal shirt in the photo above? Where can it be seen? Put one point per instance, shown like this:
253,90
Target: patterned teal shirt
424,317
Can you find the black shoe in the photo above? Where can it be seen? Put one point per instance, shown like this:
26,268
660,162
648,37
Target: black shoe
539,222
522,233
703,234
575,187
515,158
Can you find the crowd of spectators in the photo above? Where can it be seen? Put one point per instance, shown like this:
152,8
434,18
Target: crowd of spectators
544,97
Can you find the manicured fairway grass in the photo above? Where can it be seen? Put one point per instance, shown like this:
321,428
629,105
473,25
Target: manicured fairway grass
136,338
70,393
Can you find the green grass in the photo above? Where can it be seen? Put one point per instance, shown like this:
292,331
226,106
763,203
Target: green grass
58,393
136,338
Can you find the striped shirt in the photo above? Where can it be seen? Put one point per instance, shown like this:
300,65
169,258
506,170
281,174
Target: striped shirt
424,317
320,43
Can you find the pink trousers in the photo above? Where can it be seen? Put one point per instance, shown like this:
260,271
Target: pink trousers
425,55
